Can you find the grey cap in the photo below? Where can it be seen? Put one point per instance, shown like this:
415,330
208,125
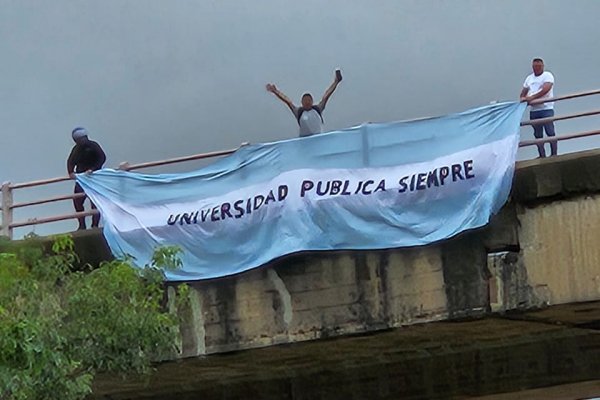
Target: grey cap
78,133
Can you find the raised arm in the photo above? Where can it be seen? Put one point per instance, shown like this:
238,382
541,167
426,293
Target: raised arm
273,89
329,91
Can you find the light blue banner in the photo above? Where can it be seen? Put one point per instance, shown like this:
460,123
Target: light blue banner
370,187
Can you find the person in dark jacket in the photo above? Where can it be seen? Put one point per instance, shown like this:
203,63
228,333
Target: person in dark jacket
86,156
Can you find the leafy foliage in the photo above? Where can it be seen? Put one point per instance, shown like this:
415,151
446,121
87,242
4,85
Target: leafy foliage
59,327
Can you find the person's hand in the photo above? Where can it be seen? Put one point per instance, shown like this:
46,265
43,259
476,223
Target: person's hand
72,175
271,88
338,75
526,99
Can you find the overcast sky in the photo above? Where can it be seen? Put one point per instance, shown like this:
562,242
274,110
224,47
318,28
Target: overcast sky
156,79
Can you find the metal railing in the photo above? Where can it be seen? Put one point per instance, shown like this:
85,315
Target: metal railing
8,206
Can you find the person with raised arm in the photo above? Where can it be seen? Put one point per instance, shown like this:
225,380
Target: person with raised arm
309,115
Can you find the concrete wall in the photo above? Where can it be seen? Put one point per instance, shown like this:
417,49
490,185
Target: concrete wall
312,296
560,247
556,208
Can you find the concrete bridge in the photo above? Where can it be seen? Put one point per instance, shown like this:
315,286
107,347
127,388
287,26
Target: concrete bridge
506,307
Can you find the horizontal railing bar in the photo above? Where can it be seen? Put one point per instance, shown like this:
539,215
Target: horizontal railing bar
566,97
49,200
41,221
558,138
559,118
178,159
40,182
132,167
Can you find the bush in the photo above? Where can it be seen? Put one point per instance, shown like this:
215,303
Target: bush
60,327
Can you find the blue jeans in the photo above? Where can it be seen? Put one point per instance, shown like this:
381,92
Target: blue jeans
538,130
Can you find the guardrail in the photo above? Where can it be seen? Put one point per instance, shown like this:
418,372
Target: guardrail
8,206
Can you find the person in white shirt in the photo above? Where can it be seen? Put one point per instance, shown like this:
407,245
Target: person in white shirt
538,86
309,115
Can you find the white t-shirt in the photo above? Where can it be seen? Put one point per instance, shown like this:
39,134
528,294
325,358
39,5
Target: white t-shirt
310,121
534,84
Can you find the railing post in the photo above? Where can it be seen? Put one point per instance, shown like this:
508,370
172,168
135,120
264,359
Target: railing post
7,212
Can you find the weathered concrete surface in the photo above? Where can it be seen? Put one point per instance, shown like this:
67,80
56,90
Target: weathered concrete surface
581,315
466,275
502,232
426,361
542,180
551,229
89,244
559,257
509,285
581,390
317,296
560,247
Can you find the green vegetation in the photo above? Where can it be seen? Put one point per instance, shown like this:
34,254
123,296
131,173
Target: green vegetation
60,327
